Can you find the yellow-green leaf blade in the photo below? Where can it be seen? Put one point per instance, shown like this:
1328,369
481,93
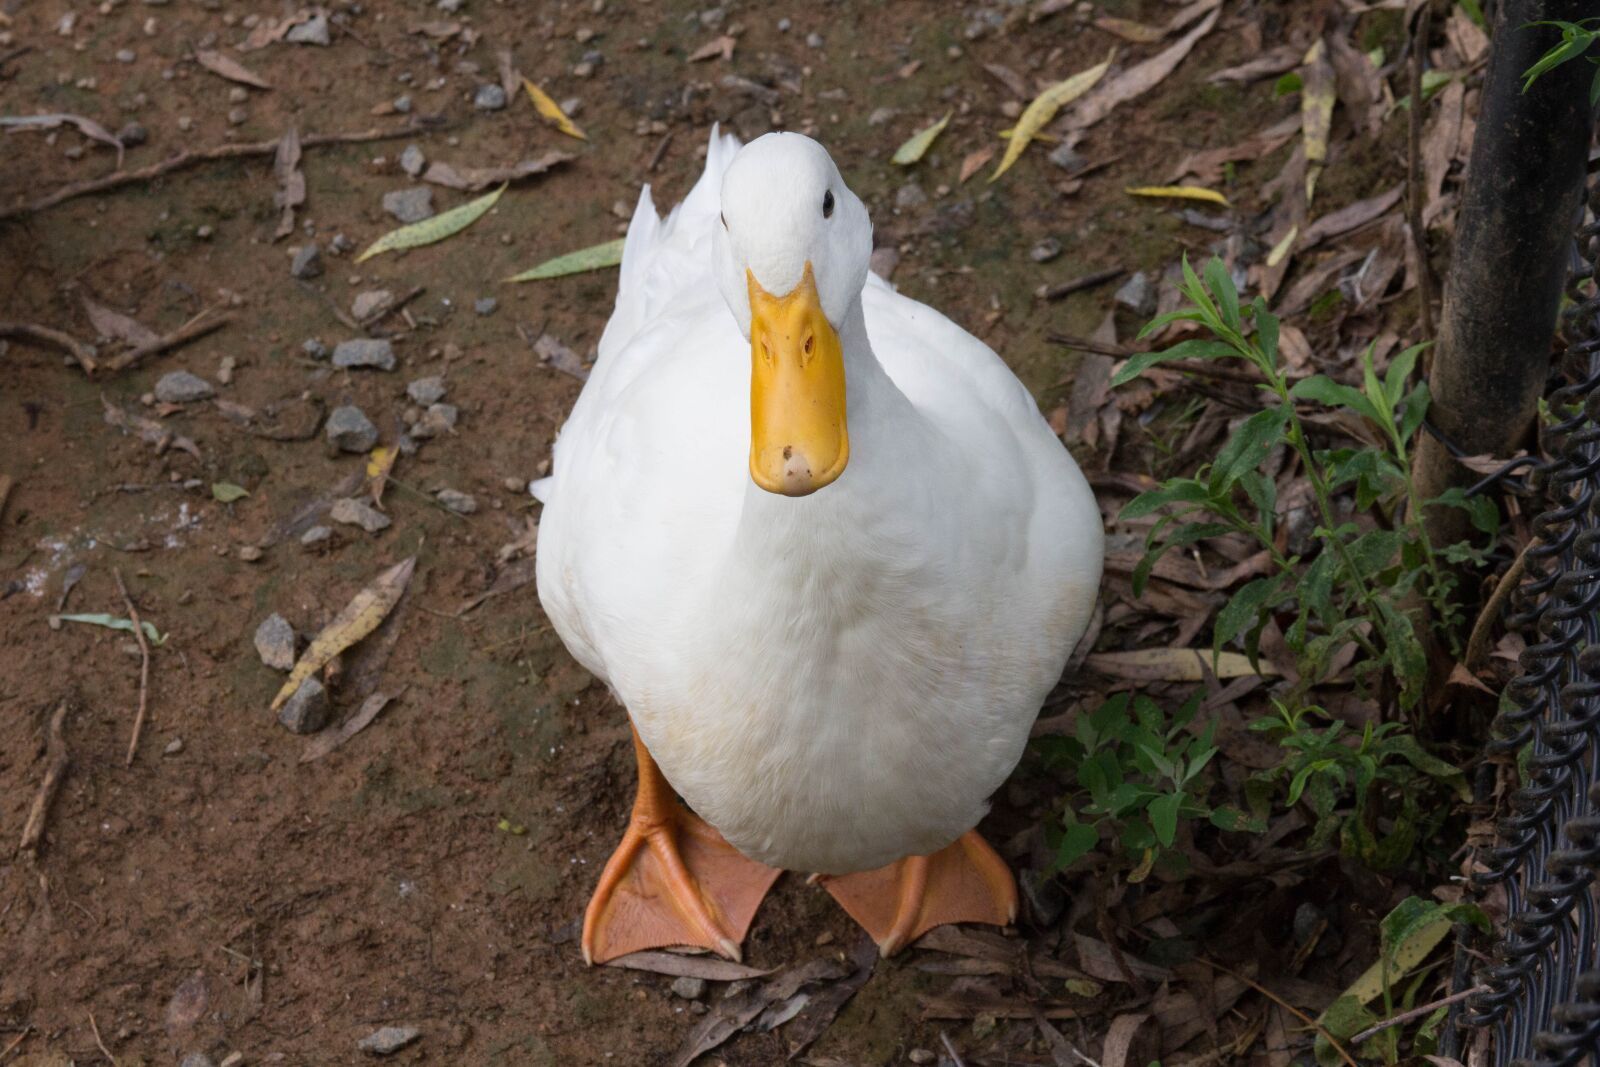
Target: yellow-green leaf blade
1179,192
366,610
1044,108
551,110
429,231
919,143
595,257
228,492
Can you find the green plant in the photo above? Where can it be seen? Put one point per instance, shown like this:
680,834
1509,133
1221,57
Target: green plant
1368,561
1139,774
1577,38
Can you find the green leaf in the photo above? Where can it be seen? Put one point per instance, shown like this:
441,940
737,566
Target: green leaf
1574,42
1325,390
919,143
595,257
1409,749
1400,368
1244,610
1481,510
445,224
1266,332
1248,446
1176,491
1415,410
1375,551
1233,820
1474,12
1220,282
111,622
1289,84
227,492
1078,839
1164,817
1194,348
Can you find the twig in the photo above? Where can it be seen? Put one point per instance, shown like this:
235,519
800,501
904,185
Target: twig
1419,236
1088,344
144,667
661,151
19,1039
338,312
44,335
5,492
104,1051
1416,1013
195,328
1478,643
54,771
384,311
186,159
1059,1045
1088,281
1332,1041
948,1047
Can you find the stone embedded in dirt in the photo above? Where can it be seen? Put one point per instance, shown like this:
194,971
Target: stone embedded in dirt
908,196
689,988
438,419
388,1040
921,1056
1045,250
250,553
412,160
307,262
225,370
366,303
353,512
314,348
1137,294
307,711
882,116
449,7
312,31
457,501
1066,156
489,97
197,1059
365,352
425,391
814,40
410,205
181,387
275,642
485,305
341,244
349,430
316,535
133,134
174,747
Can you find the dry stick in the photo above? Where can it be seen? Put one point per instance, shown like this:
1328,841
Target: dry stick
5,492
187,159
954,1055
144,668
104,1051
55,770
1478,643
195,328
20,1038
1088,281
1419,237
660,152
44,335
1332,1041
1417,1013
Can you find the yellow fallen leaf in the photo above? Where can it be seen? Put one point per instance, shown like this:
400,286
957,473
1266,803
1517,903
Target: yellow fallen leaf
551,110
379,464
1282,248
1044,108
1174,665
366,610
426,232
595,257
1317,96
1180,192
917,147
1128,30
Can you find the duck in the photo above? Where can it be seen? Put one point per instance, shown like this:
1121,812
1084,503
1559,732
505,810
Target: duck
822,546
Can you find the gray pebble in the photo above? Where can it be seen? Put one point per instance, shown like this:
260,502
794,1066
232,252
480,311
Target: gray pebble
881,116
306,711
813,40
425,391
457,501
365,352
410,205
582,70
1137,294
909,195
366,303
1045,250
316,535
181,387
275,641
449,7
133,134
489,97
389,1039
784,25
197,1059
1066,156
689,988
486,305
353,512
307,262
402,103
349,430
412,160
712,17
173,747
921,1056
126,55
314,348
341,244
439,418
313,31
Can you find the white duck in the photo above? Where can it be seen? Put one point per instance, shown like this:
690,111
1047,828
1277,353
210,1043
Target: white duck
824,549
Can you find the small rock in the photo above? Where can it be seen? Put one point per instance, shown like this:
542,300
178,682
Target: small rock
1137,294
402,104
174,747
225,370
689,988
314,349
307,262
250,553
306,711
204,232
237,95
785,25
449,7
489,97
439,418
426,391
316,535
238,116
353,512
181,387
368,302
313,31
349,430
389,1039
882,116
365,352
412,160
275,642
457,501
909,195
235,1059
921,1055
1045,250
1066,156
582,70
512,485
133,134
126,55
813,40
342,244
410,205
485,305
197,1059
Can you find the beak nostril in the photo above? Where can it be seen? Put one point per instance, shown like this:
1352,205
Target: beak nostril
810,345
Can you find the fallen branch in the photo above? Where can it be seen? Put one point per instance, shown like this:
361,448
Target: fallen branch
1417,1013
54,771
1088,281
144,668
103,1050
194,329
44,335
26,1030
186,159
1332,1041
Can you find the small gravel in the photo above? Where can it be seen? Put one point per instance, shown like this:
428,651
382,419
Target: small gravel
353,512
349,430
314,349
439,418
313,31
489,97
1045,250
412,160
410,205
689,988
181,387
306,711
274,642
388,1040
426,391
457,501
307,262
365,352
366,303
486,305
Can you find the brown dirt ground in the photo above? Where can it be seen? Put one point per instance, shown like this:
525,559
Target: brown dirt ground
375,886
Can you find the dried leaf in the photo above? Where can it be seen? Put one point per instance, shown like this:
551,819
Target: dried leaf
228,492
1044,108
1009,78
227,67
291,182
1465,36
1097,958
511,578
595,257
88,127
1179,192
919,143
111,622
1120,1037
1358,84
1439,144
1139,79
357,619
1207,165
380,462
473,179
1173,665
148,430
711,968
117,326
551,110
370,708
1316,111
722,46
1349,217
1279,60
429,231
1188,14
1128,30
975,161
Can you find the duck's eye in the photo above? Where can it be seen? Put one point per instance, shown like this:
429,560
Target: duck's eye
827,204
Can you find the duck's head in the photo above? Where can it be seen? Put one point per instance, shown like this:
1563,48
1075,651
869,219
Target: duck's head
791,256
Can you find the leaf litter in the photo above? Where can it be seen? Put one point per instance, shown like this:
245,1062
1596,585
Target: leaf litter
362,615
438,228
